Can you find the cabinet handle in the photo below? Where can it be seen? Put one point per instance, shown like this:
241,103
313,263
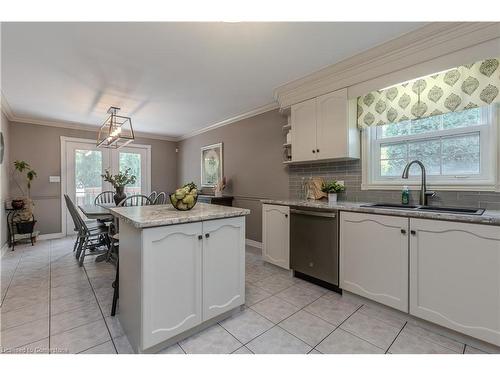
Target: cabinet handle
413,233
200,237
403,231
314,151
207,235
317,150
286,215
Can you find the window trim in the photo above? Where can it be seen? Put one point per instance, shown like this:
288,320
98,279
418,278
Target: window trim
488,181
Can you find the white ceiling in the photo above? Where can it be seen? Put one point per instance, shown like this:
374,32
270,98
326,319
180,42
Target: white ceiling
171,78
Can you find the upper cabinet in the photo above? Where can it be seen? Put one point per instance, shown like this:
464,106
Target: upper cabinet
324,128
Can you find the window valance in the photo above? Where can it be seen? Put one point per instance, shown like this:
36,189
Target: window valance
464,87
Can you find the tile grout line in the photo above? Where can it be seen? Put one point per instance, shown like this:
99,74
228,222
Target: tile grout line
100,309
336,327
50,289
395,338
277,324
11,278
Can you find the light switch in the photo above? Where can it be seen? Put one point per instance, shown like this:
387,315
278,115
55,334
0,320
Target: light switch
54,178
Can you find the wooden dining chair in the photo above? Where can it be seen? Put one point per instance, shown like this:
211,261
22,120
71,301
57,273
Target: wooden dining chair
88,239
106,197
161,198
152,196
135,200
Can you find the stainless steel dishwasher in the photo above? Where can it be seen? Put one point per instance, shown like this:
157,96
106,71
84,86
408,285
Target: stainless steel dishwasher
314,250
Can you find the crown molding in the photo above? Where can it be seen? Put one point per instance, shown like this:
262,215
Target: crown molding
232,120
80,126
87,127
426,43
6,107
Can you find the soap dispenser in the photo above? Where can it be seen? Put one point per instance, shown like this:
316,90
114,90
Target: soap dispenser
405,195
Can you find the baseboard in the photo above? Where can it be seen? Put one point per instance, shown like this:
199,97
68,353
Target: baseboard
253,243
50,236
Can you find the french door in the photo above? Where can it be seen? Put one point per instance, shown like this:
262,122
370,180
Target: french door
83,164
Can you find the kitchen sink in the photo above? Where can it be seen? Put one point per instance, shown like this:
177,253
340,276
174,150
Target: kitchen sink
391,206
449,210
453,210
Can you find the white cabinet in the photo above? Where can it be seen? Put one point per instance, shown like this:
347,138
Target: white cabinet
325,128
223,266
276,234
303,119
455,276
172,269
374,257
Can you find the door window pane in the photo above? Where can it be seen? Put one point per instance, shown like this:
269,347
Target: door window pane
133,161
88,180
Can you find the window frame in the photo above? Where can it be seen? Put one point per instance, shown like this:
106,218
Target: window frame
488,180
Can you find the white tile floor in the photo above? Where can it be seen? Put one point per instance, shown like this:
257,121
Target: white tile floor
49,304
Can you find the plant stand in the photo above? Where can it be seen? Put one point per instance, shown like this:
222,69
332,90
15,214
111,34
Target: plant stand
14,235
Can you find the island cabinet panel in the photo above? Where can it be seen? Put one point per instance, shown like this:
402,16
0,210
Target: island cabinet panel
374,257
223,265
172,281
455,276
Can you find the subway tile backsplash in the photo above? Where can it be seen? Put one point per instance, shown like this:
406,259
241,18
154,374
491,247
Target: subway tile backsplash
350,172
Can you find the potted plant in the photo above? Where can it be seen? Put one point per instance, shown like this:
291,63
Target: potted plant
119,181
25,221
332,188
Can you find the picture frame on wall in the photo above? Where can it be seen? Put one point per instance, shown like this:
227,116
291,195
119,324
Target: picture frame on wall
211,165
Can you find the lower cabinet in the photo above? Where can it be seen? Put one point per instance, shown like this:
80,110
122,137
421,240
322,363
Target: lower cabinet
374,257
223,266
276,235
455,276
454,269
190,274
172,281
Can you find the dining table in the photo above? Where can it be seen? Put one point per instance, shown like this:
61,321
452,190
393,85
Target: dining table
97,211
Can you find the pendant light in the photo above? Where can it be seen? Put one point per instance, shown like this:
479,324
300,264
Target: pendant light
116,131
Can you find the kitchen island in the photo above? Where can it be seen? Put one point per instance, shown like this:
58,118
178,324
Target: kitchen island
180,271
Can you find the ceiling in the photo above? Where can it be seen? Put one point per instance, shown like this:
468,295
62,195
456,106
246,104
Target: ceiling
171,78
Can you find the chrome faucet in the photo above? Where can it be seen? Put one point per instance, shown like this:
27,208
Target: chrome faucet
423,187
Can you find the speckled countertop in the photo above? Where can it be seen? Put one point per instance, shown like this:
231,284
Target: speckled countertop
160,215
490,217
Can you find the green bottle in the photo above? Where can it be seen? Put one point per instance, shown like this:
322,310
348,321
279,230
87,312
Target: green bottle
405,195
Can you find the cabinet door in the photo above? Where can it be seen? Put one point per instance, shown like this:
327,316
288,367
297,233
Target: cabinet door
223,265
374,257
304,131
172,261
332,125
276,235
455,276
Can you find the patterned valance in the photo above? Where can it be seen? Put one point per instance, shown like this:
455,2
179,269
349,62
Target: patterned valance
467,86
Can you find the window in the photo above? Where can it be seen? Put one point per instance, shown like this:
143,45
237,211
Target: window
457,148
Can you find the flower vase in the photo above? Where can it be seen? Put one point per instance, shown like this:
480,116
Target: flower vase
120,194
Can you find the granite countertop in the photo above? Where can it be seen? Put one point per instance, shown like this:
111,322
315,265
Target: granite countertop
490,217
161,215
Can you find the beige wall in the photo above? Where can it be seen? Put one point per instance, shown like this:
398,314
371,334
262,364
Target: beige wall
41,147
253,154
4,179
